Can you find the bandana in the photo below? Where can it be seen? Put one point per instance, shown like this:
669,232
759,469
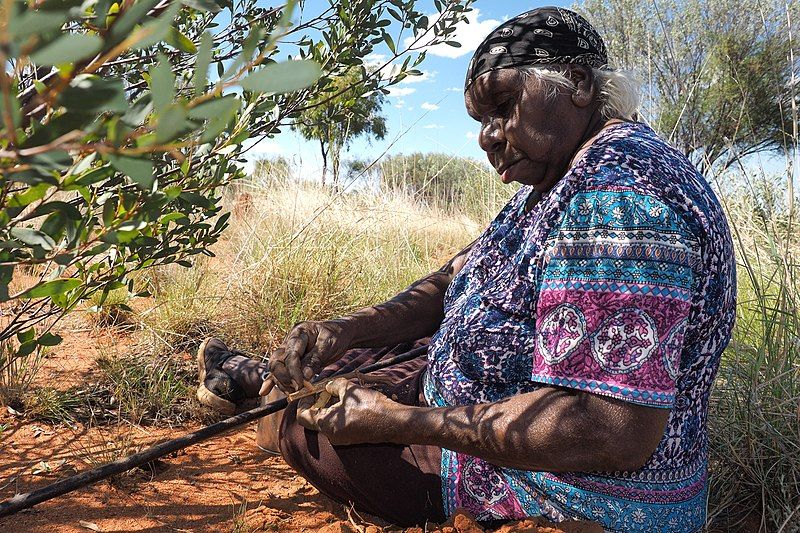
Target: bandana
545,35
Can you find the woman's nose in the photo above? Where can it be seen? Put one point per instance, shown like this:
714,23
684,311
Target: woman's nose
491,138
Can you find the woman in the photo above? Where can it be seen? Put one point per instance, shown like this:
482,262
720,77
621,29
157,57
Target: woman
573,344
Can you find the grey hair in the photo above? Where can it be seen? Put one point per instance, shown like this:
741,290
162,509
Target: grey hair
618,90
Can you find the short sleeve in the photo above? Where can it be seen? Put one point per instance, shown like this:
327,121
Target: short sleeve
615,295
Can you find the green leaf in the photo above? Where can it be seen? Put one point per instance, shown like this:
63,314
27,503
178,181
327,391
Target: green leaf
29,196
213,108
283,77
110,211
89,178
219,122
249,46
14,110
180,41
54,225
33,237
49,339
25,349
171,123
132,16
139,170
33,22
156,30
101,11
139,111
203,5
64,208
162,84
26,336
390,42
90,94
51,288
201,65
170,217
57,126
67,48
286,16
51,161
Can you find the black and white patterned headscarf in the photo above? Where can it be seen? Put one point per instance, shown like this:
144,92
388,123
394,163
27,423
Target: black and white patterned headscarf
544,35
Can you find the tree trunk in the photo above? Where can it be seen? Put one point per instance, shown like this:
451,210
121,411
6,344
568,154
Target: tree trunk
336,151
324,160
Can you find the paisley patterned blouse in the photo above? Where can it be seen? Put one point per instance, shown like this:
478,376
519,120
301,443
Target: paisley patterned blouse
620,282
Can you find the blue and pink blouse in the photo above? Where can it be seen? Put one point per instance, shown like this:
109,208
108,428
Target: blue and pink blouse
619,282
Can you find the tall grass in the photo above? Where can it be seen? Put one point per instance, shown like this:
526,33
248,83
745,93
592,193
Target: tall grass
755,409
17,373
297,252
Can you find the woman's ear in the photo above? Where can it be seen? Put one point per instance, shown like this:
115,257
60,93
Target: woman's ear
585,90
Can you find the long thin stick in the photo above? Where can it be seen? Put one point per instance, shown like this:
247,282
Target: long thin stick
24,501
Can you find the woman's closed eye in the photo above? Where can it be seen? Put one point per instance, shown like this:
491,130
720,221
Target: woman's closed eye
504,109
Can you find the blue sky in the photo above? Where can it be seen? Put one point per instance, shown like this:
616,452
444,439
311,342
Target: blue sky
424,114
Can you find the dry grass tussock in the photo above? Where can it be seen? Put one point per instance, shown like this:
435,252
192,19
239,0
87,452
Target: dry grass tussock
295,252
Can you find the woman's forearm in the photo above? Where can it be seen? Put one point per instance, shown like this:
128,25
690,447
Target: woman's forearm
414,313
552,429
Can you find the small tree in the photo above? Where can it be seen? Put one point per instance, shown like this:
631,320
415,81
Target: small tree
718,79
115,141
353,112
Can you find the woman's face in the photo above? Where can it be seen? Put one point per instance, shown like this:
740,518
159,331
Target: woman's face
528,137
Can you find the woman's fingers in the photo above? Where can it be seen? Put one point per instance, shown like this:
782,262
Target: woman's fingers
338,387
267,386
306,414
286,368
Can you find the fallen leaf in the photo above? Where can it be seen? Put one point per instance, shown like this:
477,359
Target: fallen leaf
44,467
89,525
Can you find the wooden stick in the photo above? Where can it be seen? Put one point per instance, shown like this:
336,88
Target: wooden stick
59,488
311,389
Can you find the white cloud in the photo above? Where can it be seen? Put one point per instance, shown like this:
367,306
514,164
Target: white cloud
399,92
433,127
375,60
454,89
469,35
429,107
472,136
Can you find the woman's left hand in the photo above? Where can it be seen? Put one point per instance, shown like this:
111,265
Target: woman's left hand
360,415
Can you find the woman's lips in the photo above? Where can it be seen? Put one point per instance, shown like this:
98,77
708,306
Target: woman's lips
507,175
525,172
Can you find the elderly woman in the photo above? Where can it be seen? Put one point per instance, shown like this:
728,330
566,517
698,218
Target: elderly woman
574,343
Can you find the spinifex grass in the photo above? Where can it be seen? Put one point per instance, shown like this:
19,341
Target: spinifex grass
17,373
148,390
755,409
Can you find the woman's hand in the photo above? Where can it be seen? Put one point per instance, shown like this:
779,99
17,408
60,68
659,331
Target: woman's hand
360,416
309,347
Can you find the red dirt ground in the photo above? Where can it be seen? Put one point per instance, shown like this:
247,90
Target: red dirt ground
225,484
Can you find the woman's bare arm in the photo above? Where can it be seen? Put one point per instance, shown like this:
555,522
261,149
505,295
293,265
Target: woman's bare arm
552,429
414,313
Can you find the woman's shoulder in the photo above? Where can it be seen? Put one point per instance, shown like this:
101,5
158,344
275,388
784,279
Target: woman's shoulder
632,154
633,161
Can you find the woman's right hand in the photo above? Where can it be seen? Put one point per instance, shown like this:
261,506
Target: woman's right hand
307,349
